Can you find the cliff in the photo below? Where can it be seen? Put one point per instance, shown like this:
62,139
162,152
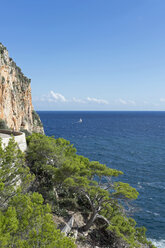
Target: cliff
16,109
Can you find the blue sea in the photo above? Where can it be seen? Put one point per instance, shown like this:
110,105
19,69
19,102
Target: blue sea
133,142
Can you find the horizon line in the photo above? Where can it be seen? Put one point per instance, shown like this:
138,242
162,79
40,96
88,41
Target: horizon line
101,110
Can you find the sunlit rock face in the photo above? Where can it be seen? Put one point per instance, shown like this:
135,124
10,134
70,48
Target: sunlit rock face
16,107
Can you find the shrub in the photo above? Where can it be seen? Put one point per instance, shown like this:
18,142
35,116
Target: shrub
3,80
36,119
26,132
3,124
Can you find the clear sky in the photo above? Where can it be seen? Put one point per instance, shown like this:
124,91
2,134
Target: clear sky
89,54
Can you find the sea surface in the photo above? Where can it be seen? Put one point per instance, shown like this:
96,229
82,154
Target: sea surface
133,142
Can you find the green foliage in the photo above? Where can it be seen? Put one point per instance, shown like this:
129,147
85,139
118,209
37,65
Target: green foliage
46,158
28,223
36,119
43,157
2,49
124,227
103,193
25,221
140,235
66,180
3,124
41,150
20,76
25,131
123,190
14,174
3,80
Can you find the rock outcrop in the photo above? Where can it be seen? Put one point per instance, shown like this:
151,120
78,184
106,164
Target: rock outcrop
16,108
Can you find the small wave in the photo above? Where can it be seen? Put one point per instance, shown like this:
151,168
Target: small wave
158,243
149,212
157,185
156,214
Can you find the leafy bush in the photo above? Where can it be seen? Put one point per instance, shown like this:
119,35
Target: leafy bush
15,176
66,180
3,80
3,124
29,223
2,48
26,132
36,119
25,221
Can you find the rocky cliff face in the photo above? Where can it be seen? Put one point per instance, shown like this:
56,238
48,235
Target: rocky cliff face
15,97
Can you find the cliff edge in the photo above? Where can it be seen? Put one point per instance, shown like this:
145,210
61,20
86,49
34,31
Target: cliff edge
16,109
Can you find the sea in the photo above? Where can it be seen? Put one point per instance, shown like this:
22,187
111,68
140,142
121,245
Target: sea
133,142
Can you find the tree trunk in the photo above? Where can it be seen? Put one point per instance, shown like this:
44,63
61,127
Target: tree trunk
90,221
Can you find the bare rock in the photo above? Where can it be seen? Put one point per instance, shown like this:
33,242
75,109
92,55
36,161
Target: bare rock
16,107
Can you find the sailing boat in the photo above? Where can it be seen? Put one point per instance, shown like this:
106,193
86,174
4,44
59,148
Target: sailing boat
80,121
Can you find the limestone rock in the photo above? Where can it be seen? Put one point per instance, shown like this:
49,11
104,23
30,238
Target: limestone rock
15,97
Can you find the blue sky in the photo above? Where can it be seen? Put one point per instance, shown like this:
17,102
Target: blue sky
89,54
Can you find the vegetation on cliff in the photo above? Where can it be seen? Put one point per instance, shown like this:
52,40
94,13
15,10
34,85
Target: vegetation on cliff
4,59
36,119
52,180
25,221
3,124
15,97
